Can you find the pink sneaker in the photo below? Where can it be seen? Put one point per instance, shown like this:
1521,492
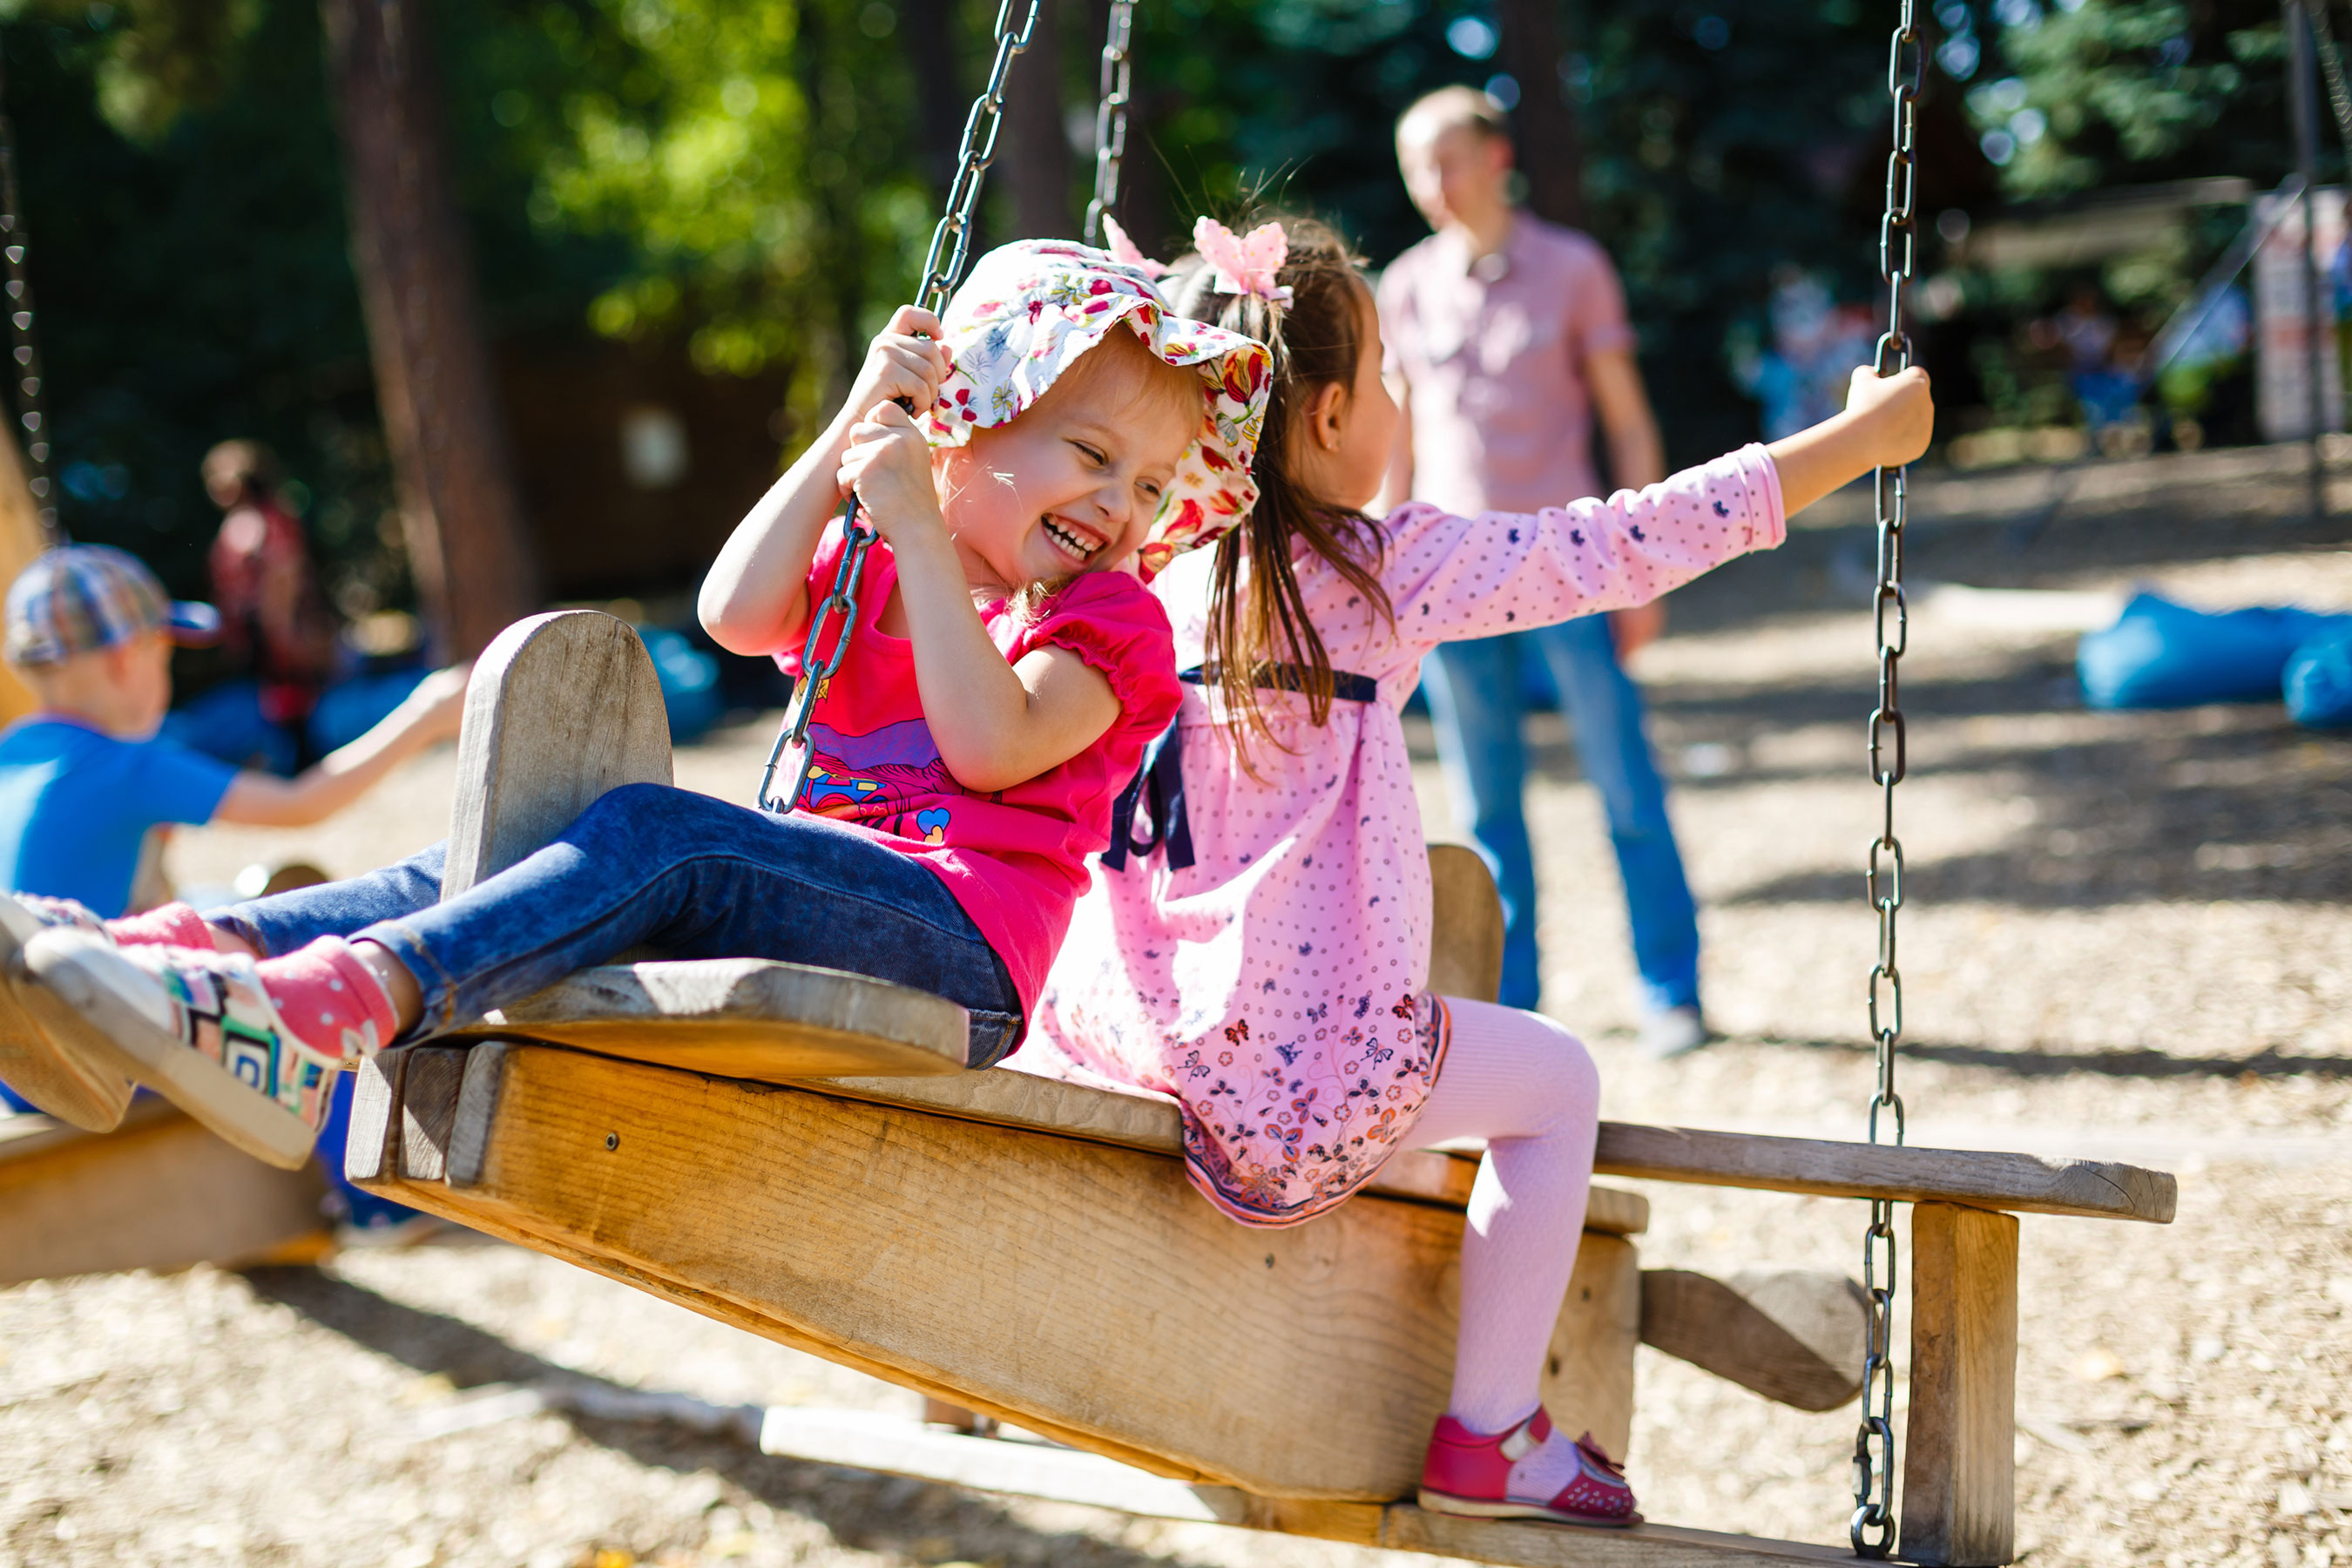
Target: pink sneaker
1470,1473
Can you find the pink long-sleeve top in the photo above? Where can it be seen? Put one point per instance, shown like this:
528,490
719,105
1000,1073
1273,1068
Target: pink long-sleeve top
1274,987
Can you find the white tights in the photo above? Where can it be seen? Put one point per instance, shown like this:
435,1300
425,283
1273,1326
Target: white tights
1527,1086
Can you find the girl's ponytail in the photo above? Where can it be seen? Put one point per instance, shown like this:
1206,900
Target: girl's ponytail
1257,612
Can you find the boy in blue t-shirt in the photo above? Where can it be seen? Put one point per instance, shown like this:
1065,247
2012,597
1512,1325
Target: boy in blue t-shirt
85,777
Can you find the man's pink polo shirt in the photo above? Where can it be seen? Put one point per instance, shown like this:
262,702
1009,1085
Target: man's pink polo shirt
1494,352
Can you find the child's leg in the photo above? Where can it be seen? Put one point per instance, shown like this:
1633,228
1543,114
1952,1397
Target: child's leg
646,863
288,922
697,877
1527,1085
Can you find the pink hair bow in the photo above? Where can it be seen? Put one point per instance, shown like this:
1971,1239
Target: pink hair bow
1245,264
1123,250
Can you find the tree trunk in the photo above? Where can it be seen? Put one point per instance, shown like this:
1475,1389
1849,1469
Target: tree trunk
1036,165
475,568
928,28
1543,127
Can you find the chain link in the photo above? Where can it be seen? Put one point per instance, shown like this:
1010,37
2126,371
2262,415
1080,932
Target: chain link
1873,1524
31,411
942,270
1110,117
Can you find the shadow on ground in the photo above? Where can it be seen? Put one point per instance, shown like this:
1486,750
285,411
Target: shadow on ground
847,1502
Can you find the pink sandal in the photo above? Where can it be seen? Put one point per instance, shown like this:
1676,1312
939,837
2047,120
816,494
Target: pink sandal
1470,1473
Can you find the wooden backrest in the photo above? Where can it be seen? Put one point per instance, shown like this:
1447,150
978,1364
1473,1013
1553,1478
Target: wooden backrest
562,708
1465,928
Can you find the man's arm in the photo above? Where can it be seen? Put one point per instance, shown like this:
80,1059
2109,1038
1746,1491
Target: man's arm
430,714
1637,459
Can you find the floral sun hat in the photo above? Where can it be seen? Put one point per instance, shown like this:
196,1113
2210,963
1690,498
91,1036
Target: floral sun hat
1030,309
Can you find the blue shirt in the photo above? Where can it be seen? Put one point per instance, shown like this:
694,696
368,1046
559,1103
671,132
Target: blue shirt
76,806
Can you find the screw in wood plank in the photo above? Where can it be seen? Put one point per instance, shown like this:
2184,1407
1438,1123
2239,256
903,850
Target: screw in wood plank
612,1139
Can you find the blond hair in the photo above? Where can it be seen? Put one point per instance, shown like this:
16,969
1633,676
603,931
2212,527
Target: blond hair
1435,113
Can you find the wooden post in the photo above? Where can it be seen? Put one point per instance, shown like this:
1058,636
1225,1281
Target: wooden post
1959,1486
475,567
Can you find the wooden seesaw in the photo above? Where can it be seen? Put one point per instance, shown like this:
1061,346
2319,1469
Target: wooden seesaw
801,1153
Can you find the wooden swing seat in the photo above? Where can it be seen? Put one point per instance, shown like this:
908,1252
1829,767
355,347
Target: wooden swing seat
159,1192
799,1152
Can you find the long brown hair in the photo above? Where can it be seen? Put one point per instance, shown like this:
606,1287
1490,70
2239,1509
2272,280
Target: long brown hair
1257,614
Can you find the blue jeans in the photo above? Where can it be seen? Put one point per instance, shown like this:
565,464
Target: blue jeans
694,876
1473,696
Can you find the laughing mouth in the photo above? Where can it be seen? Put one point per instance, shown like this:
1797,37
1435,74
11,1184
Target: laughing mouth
1076,545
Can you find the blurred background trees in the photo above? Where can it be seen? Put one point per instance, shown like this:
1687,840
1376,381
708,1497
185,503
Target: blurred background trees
683,217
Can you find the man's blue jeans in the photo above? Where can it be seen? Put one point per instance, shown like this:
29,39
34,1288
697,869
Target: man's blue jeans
1473,696
694,876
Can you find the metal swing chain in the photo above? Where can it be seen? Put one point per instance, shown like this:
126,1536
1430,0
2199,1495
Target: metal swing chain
31,414
1871,1526
1110,117
943,268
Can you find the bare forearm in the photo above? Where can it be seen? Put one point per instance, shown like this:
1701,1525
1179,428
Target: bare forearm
1814,462
754,600
334,783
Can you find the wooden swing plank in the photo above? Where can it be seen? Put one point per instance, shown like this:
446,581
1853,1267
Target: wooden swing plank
743,1017
159,1192
1072,1288
1132,1118
869,1440
1960,1481
1794,1335
2027,1183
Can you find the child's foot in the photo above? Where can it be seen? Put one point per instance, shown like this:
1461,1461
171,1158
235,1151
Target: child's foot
247,1048
1528,1472
65,1080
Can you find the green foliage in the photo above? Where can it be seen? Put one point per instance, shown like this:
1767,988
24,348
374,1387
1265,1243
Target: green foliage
750,180
2134,90
754,158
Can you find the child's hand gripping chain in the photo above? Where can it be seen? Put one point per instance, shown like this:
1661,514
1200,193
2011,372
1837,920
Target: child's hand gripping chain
903,368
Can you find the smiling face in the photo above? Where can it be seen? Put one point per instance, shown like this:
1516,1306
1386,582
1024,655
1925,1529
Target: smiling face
1073,483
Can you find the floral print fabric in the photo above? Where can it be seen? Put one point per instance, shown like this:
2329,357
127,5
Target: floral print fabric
1029,309
1274,987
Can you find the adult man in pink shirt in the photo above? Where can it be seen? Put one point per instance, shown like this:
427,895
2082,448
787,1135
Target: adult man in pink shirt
1505,336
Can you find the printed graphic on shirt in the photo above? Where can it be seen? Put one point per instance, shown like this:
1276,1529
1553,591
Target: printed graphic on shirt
889,779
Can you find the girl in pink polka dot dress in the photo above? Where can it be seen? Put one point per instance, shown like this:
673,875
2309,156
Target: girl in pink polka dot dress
1260,953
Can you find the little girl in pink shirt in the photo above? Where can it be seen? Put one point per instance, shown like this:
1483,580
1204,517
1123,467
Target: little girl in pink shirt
1260,953
1001,679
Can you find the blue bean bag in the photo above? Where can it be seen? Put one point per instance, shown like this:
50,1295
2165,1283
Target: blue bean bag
2318,680
2163,655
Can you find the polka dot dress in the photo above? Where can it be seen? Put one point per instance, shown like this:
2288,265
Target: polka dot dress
1272,988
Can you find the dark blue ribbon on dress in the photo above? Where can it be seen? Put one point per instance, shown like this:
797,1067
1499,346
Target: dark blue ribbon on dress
1159,783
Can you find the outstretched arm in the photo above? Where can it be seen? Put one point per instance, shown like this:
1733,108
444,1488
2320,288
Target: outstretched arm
755,599
430,714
